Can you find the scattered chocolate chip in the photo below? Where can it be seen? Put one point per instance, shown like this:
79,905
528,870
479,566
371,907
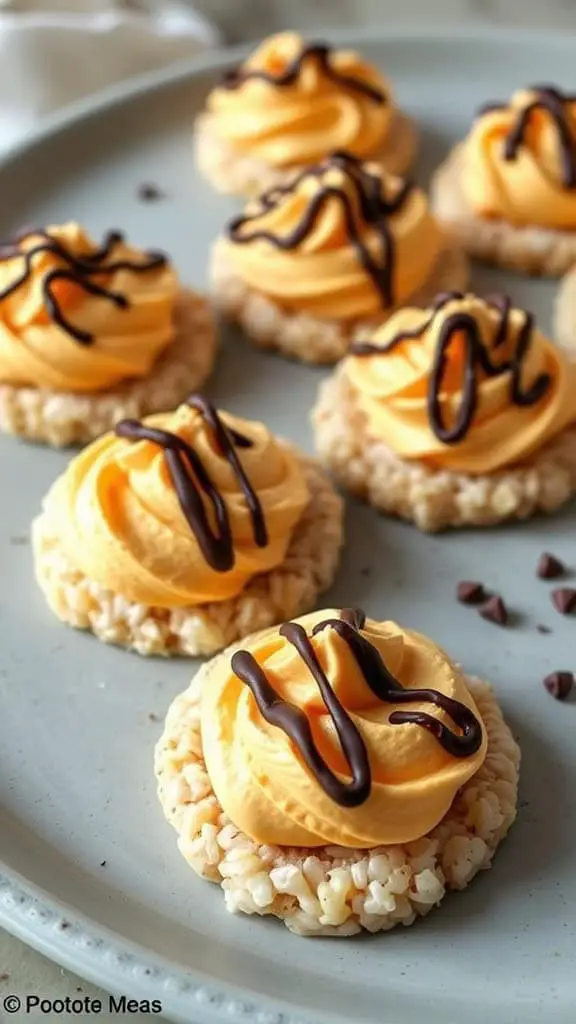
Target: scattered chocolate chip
64,925
79,988
103,863
152,717
543,629
549,567
150,193
559,684
470,592
564,599
494,610
4,976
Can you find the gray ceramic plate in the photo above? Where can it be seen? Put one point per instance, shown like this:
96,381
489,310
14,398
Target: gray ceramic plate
77,722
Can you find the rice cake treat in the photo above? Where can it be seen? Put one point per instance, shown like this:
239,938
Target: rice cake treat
91,334
185,532
341,246
461,414
338,773
291,104
507,193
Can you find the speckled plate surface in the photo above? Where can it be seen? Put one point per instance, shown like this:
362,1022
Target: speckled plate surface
91,871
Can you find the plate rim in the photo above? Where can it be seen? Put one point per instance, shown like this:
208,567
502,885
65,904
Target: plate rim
120,966
28,911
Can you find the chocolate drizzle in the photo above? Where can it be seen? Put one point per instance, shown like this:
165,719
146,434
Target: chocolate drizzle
367,348
551,100
476,356
294,722
319,52
79,269
374,209
191,480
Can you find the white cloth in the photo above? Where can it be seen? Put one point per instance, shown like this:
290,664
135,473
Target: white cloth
55,51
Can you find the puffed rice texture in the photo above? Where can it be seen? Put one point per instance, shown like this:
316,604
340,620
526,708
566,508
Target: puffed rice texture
435,499
241,174
299,335
531,249
61,418
287,591
335,891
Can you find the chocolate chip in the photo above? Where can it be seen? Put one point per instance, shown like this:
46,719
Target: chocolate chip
564,599
150,193
559,684
470,592
549,567
543,629
102,863
494,610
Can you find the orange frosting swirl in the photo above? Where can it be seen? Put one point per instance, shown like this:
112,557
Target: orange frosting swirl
515,160
122,338
122,524
343,241
260,777
393,385
295,122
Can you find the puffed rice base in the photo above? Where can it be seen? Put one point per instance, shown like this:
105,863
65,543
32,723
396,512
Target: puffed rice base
435,498
62,418
531,250
240,174
334,890
287,591
299,335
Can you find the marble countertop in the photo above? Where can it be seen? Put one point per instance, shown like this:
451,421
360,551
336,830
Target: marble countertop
22,969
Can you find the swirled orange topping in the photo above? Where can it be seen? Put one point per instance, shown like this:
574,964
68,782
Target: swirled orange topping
79,317
181,509
520,160
292,103
343,241
339,730
468,384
